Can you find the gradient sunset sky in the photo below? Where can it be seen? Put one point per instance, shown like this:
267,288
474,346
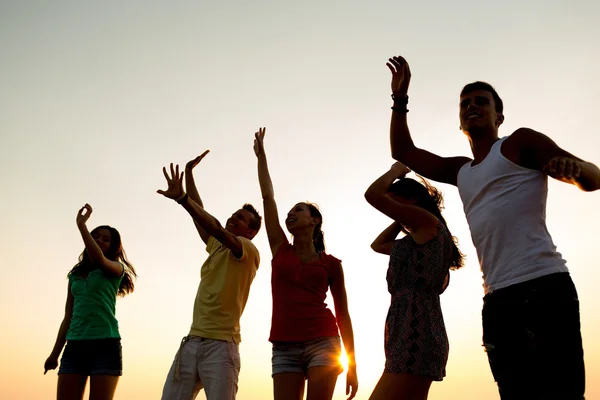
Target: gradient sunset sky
97,96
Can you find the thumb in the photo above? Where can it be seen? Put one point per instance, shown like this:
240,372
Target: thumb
161,192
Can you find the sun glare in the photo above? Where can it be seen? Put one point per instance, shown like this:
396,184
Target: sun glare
344,360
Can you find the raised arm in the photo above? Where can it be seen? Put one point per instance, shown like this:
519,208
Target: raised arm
423,162
61,338
342,315
91,247
385,241
535,150
190,186
423,224
206,221
275,233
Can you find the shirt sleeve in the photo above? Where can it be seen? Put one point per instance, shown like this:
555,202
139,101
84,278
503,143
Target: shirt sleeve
249,251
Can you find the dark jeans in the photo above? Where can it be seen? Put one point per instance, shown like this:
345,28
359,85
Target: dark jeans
532,337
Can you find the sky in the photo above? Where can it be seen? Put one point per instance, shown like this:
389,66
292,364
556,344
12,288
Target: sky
96,97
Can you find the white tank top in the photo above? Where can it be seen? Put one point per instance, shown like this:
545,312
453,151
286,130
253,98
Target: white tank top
505,206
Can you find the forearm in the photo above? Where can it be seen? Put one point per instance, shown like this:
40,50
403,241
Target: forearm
203,219
345,325
400,139
382,184
190,187
61,338
389,234
92,248
264,178
589,177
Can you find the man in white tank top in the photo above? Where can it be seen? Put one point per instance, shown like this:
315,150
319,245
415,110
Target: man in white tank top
531,329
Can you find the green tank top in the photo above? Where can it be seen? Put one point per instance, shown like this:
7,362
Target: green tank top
94,306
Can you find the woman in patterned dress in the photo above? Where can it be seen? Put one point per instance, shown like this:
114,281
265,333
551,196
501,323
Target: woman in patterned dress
416,344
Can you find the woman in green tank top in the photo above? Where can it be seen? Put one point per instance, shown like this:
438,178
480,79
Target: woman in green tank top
89,327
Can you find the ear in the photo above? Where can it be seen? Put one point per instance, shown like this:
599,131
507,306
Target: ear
499,120
250,233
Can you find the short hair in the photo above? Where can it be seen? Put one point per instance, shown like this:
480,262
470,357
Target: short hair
256,220
484,86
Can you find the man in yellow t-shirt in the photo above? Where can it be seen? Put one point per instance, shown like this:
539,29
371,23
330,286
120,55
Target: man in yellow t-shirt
209,356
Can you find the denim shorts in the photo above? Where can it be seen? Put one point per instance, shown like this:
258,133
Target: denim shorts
92,357
300,356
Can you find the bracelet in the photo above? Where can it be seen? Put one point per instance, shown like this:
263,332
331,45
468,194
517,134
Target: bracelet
181,198
403,110
400,101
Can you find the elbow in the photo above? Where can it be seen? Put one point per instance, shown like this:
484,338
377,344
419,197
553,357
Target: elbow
372,197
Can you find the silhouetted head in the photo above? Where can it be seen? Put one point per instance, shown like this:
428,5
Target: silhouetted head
109,241
481,109
244,222
306,216
424,195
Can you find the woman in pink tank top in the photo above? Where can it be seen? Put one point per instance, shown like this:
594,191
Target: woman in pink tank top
304,332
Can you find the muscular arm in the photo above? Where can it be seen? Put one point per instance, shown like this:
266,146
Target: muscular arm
534,150
423,162
385,241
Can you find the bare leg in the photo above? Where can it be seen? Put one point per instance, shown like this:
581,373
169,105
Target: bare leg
71,386
401,387
102,387
321,382
288,386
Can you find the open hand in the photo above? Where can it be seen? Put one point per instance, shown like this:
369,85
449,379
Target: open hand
400,169
192,163
51,363
563,168
259,147
400,75
83,214
174,183
351,382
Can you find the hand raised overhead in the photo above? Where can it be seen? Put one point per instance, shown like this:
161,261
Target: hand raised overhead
400,169
174,184
259,148
400,75
83,214
192,163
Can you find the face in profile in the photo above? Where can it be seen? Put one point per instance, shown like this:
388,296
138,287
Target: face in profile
299,217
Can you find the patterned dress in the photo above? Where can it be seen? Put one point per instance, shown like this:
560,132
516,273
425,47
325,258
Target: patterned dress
415,334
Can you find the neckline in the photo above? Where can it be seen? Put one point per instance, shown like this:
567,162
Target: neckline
471,166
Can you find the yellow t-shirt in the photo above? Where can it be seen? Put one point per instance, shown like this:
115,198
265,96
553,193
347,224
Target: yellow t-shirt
223,291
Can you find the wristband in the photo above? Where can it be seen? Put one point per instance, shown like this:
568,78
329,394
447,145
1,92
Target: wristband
181,198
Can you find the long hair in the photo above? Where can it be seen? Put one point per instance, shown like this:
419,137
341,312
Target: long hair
429,198
318,235
115,253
